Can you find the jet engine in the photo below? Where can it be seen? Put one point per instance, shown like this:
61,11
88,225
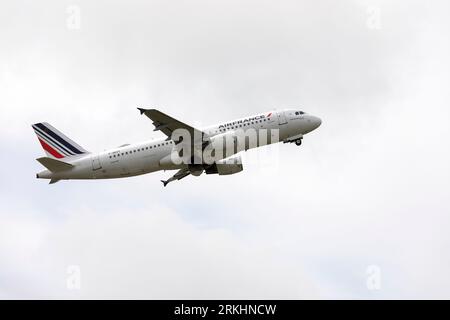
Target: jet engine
195,169
227,166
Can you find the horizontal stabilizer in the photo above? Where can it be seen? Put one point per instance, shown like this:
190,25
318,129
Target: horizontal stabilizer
54,165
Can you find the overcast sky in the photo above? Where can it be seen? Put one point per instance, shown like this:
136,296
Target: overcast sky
360,210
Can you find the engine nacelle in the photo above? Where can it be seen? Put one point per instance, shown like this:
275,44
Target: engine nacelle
227,166
195,169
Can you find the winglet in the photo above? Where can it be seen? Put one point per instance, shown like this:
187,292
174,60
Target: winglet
164,182
142,110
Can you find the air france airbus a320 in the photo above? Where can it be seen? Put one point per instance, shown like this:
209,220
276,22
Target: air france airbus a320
213,150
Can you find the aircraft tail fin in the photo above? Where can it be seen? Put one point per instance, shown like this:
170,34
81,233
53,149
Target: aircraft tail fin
55,165
55,143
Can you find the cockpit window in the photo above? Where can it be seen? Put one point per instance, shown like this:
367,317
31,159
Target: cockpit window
299,112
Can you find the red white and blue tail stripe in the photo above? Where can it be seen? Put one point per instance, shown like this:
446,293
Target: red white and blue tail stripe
55,143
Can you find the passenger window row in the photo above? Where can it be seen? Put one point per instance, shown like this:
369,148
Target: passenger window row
117,155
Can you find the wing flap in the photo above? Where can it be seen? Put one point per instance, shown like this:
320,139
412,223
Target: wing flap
184,172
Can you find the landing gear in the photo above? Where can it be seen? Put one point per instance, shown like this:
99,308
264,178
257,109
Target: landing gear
297,139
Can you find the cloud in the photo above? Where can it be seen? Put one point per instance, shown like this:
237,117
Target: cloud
145,254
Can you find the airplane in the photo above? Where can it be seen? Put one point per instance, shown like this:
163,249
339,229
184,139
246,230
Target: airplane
67,160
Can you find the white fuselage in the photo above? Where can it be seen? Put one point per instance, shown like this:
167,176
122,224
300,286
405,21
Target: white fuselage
145,157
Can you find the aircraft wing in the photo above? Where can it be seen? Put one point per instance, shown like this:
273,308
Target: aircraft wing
167,125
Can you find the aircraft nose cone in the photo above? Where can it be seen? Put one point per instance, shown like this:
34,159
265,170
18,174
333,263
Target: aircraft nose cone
316,122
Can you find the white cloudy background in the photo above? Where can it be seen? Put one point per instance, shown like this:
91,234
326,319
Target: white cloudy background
366,195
